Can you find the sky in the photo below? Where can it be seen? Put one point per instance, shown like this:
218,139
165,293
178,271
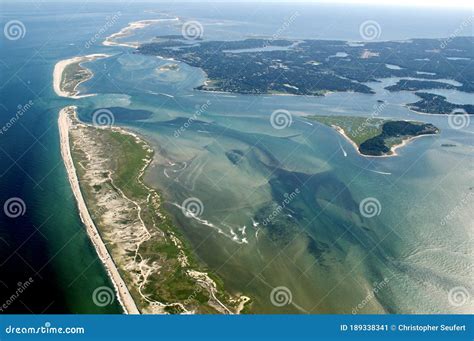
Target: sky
427,3
430,3
410,3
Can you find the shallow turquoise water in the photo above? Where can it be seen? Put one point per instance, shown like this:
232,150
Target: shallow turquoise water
320,247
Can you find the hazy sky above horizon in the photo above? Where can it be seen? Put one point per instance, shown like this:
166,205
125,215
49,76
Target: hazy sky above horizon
430,3
425,3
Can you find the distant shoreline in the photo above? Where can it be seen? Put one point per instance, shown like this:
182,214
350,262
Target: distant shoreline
127,31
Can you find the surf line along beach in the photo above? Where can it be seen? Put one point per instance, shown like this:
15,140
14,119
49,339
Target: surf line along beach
123,294
124,297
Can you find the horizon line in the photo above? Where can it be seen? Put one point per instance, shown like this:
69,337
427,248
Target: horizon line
376,3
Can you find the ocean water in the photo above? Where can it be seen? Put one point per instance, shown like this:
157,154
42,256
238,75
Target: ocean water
320,249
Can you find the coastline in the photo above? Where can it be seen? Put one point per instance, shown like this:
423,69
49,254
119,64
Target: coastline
123,295
393,149
425,113
68,124
70,128
127,31
407,141
61,66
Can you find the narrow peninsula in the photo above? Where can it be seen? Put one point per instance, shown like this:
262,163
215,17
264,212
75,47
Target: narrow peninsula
151,266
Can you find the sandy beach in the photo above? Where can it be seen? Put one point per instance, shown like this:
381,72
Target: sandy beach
66,85
128,30
393,149
123,294
59,70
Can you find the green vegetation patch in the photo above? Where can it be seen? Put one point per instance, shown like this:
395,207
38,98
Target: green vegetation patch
358,129
127,158
74,74
376,136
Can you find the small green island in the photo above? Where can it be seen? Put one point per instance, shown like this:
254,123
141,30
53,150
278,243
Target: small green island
376,136
438,105
416,84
